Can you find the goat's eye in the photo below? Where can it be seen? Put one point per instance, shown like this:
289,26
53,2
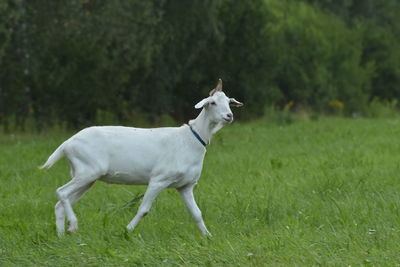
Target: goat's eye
213,103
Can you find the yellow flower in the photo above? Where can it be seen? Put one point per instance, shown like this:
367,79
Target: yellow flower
288,105
337,104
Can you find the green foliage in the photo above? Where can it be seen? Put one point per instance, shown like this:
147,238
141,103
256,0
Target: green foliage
12,93
315,57
322,193
382,108
382,52
243,57
157,58
92,61
280,116
377,21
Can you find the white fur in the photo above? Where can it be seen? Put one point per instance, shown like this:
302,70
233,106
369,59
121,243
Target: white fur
159,157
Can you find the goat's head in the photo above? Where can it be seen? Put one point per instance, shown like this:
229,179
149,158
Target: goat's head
217,105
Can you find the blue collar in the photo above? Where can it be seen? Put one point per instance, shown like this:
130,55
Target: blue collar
197,136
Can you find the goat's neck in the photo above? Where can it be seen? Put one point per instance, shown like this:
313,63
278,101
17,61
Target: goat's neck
204,126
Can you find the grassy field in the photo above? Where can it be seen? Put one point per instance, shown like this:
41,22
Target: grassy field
323,192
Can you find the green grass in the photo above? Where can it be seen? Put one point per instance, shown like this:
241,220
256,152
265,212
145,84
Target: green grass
323,192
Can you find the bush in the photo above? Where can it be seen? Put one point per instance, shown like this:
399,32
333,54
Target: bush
378,108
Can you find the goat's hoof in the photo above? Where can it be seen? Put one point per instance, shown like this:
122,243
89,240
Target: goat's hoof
207,234
130,228
73,227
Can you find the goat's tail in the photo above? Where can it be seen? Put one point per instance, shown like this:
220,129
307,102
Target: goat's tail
53,157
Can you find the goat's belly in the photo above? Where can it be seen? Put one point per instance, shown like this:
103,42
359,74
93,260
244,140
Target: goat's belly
124,178
185,180
189,176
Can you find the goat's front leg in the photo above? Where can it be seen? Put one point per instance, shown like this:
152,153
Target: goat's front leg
151,193
188,197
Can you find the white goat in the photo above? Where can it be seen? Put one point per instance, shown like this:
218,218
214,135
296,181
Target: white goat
160,158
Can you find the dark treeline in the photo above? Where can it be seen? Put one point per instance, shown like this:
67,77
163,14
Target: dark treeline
82,62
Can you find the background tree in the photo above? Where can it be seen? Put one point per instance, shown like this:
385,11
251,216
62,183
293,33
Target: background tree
83,62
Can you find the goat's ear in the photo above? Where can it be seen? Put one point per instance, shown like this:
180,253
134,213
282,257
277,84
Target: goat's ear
233,102
202,103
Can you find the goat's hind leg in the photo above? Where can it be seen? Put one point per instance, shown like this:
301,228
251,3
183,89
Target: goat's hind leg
68,195
60,218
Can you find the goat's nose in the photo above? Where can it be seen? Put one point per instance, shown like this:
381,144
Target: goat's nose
229,115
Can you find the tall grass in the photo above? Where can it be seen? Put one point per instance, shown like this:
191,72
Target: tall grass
320,192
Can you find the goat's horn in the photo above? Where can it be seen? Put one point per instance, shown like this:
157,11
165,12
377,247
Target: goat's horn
219,85
217,88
